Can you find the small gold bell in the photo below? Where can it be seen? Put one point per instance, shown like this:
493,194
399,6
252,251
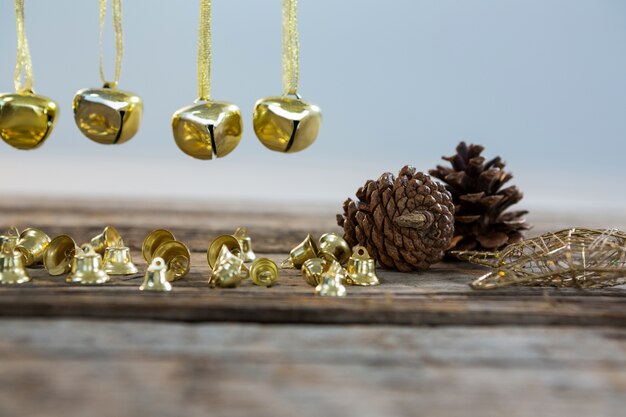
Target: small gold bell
286,124
12,269
245,242
207,129
314,269
334,247
32,244
264,272
109,237
331,285
26,119
215,248
228,271
301,253
177,259
361,268
155,279
118,261
10,238
155,239
59,255
87,268
107,115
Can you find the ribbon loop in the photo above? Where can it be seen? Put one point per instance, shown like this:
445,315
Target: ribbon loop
204,51
23,62
291,48
119,40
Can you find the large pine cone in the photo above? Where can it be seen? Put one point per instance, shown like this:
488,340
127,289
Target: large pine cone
480,201
405,223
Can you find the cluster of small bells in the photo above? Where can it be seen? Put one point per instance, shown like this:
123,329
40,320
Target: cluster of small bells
169,260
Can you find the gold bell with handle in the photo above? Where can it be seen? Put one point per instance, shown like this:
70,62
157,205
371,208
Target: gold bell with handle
59,255
118,261
26,119
177,259
306,250
109,237
87,268
12,269
155,279
332,282
245,242
264,272
229,270
32,244
10,237
334,248
313,270
152,242
361,268
215,248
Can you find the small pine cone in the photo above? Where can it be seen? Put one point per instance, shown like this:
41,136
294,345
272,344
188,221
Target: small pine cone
405,222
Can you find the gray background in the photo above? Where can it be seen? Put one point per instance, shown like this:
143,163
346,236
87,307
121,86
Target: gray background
540,82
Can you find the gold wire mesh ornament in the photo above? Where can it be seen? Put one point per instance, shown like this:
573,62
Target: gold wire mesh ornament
26,118
577,258
107,115
207,128
287,124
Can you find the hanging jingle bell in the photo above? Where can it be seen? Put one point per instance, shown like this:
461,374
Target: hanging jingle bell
301,253
87,268
107,115
361,268
264,272
32,244
109,237
59,255
215,248
118,261
177,259
331,285
314,269
228,271
334,248
26,119
10,238
286,124
155,279
207,129
152,242
241,234
12,269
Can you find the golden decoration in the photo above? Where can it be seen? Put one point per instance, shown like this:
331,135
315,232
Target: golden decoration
87,268
152,242
332,282
59,255
245,242
264,272
215,249
313,270
177,259
333,247
119,261
155,278
229,270
361,268
306,250
109,237
12,269
32,244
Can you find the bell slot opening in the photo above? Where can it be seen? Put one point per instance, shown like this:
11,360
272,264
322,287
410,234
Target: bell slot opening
292,139
119,131
212,134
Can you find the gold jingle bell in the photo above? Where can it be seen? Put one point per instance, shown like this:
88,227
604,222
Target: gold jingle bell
177,259
208,128
361,268
228,271
152,242
286,124
331,285
59,255
215,249
264,272
12,269
301,253
155,279
26,119
241,234
118,261
314,269
87,268
32,244
334,247
109,237
10,238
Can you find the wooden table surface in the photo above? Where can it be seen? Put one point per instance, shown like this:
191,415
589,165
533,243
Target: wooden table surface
419,344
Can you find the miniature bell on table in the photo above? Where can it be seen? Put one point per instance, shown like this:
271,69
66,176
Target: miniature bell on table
241,234
314,269
87,268
10,237
361,268
229,270
264,272
331,285
301,253
177,259
59,255
155,279
32,244
118,261
152,242
334,248
12,269
215,249
109,237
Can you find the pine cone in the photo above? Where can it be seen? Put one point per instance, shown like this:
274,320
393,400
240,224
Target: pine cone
480,201
405,223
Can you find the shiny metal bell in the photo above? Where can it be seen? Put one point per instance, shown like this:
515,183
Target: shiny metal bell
12,269
87,268
333,247
314,269
26,119
215,248
228,271
331,285
241,234
155,279
264,272
301,253
286,124
109,237
32,244
10,238
107,115
59,255
207,129
152,242
177,259
118,261
361,268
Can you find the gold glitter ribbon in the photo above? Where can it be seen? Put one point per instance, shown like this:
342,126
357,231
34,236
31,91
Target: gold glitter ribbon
23,62
204,51
119,39
291,46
